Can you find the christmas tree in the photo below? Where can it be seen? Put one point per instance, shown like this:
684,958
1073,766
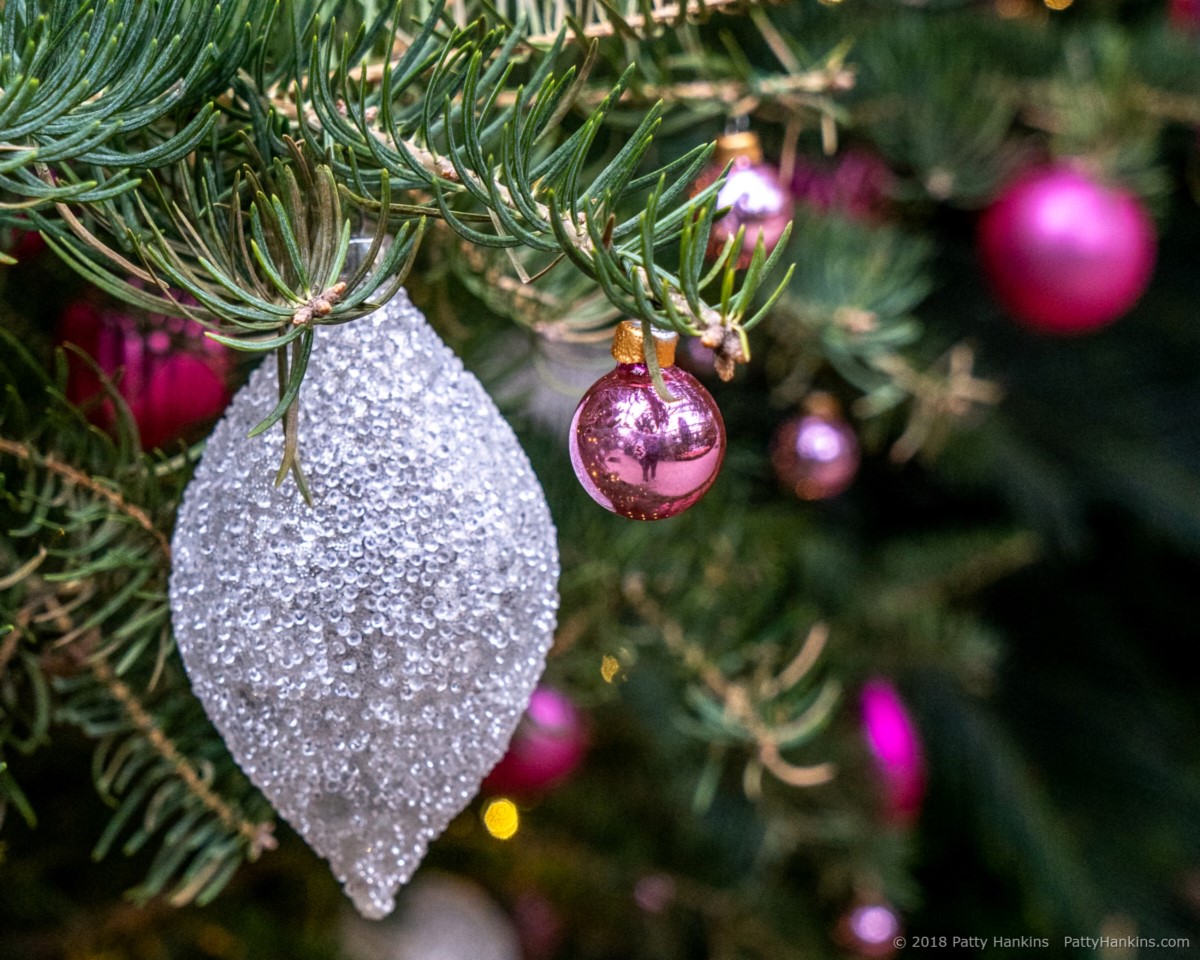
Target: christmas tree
862,582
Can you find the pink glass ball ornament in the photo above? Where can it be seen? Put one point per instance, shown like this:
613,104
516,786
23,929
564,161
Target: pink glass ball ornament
752,191
1065,253
895,744
549,743
172,376
634,453
816,454
871,928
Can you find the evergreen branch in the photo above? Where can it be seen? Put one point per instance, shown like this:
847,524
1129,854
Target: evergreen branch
269,274
89,601
603,18
477,151
259,836
111,85
79,478
738,707
594,19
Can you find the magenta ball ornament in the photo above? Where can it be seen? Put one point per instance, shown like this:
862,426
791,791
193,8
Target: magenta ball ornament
173,378
547,747
633,452
1064,253
895,745
816,454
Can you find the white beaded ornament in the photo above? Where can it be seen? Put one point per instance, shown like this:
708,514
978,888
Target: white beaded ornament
367,659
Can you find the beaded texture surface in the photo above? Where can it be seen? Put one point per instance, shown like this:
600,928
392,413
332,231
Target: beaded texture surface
367,659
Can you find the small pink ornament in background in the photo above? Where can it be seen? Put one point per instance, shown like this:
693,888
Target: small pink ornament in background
655,892
1065,253
857,185
540,926
1185,14
634,453
753,193
871,929
815,455
548,745
172,377
895,743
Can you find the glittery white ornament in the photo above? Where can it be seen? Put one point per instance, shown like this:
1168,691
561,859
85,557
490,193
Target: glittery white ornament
367,659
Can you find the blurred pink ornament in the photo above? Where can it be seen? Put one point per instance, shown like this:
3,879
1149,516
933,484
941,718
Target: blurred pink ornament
654,892
815,455
634,453
172,377
895,743
548,745
871,929
752,191
857,185
1065,253
540,927
26,246
696,358
1185,14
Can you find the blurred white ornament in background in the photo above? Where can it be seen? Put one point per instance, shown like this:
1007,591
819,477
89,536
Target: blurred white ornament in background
441,917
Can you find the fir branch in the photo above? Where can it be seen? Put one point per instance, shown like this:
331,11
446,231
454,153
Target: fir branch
90,616
93,85
591,19
456,140
80,479
738,707
259,836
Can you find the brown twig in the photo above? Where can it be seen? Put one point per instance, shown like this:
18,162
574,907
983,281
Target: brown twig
80,479
9,648
259,836
740,705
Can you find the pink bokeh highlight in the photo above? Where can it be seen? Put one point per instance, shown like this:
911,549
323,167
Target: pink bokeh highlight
895,743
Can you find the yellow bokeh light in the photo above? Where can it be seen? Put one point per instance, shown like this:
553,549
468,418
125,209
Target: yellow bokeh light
501,818
1058,4
609,667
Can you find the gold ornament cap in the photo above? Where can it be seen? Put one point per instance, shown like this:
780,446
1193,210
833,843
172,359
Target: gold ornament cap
742,143
822,404
627,344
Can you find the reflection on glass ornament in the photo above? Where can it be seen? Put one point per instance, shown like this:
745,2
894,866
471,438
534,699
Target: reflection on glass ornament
895,744
1066,253
815,455
636,454
753,193
548,745
367,658
871,929
172,377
